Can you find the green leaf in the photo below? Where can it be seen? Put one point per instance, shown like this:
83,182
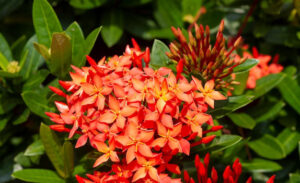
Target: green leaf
167,18
3,62
246,66
68,154
191,7
112,29
290,91
3,121
265,84
36,102
36,80
7,103
61,55
268,147
22,160
132,3
242,120
22,117
33,59
45,21
5,49
230,105
6,74
52,148
260,165
269,111
43,50
89,4
34,149
289,139
78,47
294,178
242,78
38,176
290,70
91,40
159,57
221,142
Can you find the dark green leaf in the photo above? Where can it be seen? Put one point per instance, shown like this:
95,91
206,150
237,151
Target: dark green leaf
268,147
36,80
112,29
3,121
52,148
22,160
290,70
45,21
86,4
270,111
91,40
6,74
6,7
38,176
294,178
261,165
290,91
5,49
68,154
246,66
7,103
167,18
243,120
61,55
132,3
159,57
77,40
289,139
36,148
3,62
22,117
17,47
242,78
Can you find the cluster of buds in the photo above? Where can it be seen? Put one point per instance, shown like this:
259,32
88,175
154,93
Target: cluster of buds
230,174
136,117
198,57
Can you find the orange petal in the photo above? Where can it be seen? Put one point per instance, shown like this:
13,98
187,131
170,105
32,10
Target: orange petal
100,102
160,104
138,85
145,136
114,157
209,101
107,117
120,122
139,174
81,140
131,130
162,131
153,174
113,104
62,107
88,88
185,146
201,118
167,121
145,150
124,140
119,91
217,96
159,142
128,111
101,147
130,154
174,145
198,84
209,85
89,100
101,160
176,130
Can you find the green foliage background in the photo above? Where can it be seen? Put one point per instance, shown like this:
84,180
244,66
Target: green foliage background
262,126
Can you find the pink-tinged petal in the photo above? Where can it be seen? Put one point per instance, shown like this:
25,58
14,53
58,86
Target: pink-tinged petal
138,85
100,102
160,105
174,145
139,174
162,131
153,174
217,96
119,91
198,84
209,101
145,150
209,85
185,146
184,97
98,81
145,136
73,130
68,118
62,107
124,140
176,130
81,141
132,130
114,157
197,129
201,118
107,117
167,120
88,88
106,90
101,147
128,111
130,154
89,100
152,116
101,160
185,87
77,79
120,122
113,104
159,142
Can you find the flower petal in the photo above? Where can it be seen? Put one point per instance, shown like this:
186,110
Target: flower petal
139,174
101,160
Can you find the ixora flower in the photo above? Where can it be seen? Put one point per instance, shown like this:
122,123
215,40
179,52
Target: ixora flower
230,174
137,118
198,57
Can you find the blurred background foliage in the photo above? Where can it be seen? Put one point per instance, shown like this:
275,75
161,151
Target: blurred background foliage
269,126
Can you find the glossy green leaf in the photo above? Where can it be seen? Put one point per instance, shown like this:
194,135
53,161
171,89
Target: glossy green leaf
294,178
36,102
268,147
290,91
5,49
61,55
191,7
33,59
36,148
242,78
22,117
45,21
289,139
52,148
43,50
231,104
78,47
3,62
87,4
290,70
242,120
265,84
246,66
68,155
91,40
38,176
165,17
159,57
112,29
268,111
36,80
260,165
220,143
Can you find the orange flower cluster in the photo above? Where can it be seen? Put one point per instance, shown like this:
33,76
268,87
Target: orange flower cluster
263,68
136,117
230,174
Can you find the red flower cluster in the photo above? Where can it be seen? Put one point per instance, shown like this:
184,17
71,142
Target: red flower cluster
230,174
263,68
136,117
